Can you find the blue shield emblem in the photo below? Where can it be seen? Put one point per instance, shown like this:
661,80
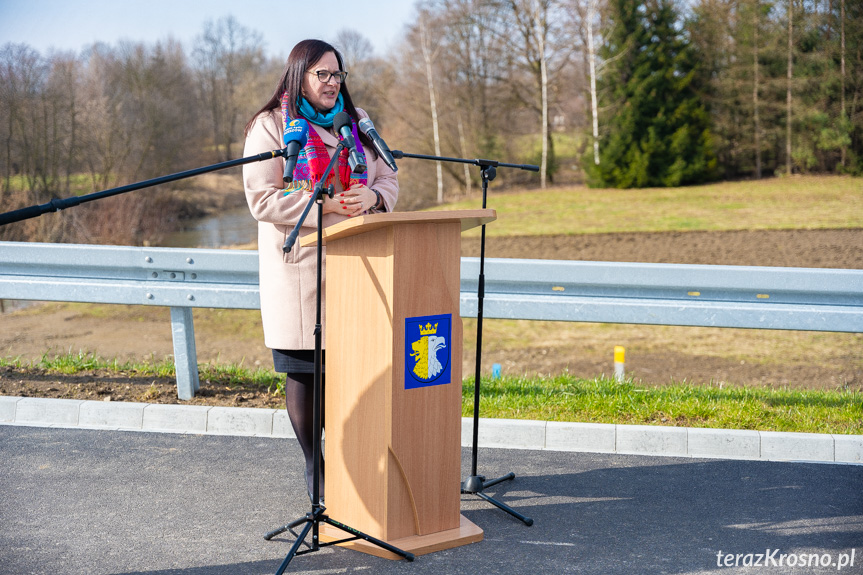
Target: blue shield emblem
428,350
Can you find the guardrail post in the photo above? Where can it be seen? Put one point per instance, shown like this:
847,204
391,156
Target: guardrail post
185,354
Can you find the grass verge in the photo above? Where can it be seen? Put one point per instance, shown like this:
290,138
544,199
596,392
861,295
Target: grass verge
799,202
221,374
565,398
602,400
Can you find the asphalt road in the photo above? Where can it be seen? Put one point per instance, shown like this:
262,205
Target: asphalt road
107,502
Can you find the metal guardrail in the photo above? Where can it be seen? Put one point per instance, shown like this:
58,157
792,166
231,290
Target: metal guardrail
181,279
668,294
604,292
129,275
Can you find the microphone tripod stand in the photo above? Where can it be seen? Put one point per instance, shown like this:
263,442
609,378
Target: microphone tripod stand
476,484
316,516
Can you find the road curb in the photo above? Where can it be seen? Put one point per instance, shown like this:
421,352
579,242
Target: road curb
500,433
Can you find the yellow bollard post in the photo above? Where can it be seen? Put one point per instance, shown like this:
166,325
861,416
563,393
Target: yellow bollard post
619,361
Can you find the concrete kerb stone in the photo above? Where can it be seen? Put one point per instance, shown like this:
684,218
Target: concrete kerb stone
590,437
7,408
507,433
723,443
797,446
652,440
494,433
240,421
40,410
120,415
176,418
848,448
282,425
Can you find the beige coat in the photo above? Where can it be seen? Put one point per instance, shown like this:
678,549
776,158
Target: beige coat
288,280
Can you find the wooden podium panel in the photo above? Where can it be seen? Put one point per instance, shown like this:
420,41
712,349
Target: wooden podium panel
393,453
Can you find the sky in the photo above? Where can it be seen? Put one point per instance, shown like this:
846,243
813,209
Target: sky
74,24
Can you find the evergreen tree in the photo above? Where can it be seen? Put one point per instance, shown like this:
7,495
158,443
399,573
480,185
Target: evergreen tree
821,129
853,83
656,129
742,78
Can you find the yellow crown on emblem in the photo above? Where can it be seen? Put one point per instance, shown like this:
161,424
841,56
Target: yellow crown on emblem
429,329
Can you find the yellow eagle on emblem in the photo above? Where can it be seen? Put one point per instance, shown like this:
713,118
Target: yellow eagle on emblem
425,353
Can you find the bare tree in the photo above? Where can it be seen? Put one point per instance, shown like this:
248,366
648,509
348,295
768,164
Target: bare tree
369,77
755,87
591,55
540,26
788,86
65,74
354,47
585,19
843,114
38,125
137,110
19,71
474,65
486,93
227,55
428,58
104,146
462,141
38,119
23,78
545,47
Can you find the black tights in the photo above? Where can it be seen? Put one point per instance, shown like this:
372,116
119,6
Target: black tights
299,388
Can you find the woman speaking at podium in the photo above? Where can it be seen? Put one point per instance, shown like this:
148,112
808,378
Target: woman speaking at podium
312,87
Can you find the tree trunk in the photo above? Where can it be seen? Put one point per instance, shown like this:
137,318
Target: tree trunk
463,145
543,71
428,57
7,186
755,95
591,10
842,116
788,90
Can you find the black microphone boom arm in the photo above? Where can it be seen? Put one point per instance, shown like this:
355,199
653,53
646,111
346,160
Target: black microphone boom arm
56,205
398,154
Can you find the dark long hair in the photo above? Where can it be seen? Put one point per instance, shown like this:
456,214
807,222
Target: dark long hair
302,57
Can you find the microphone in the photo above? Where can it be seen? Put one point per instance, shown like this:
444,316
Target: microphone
367,128
342,124
295,137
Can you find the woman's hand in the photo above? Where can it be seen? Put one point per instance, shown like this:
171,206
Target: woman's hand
332,206
356,200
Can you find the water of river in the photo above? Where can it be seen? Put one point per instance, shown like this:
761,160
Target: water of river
230,228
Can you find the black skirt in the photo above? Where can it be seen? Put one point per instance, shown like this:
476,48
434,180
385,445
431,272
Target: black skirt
297,360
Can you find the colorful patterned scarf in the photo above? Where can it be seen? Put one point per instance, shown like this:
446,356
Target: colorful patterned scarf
313,160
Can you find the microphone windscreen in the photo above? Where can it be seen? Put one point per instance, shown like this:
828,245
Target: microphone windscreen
341,120
296,131
365,125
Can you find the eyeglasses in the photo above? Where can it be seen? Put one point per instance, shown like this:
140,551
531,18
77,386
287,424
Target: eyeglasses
325,75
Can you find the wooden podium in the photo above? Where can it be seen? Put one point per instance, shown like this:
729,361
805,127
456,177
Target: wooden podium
393,396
